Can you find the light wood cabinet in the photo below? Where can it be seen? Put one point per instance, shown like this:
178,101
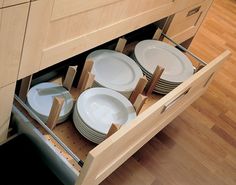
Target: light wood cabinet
12,29
186,22
7,3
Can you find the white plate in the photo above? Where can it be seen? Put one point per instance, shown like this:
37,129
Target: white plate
150,53
40,99
115,70
100,107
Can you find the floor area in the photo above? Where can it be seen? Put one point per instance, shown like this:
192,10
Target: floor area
199,146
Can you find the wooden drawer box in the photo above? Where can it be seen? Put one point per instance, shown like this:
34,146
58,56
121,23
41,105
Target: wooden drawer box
103,159
186,23
58,30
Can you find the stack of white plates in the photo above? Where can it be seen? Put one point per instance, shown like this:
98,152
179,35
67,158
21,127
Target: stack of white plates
150,53
40,99
97,108
115,71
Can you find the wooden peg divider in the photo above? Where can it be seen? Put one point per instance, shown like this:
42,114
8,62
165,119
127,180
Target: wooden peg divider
138,89
24,87
87,68
114,128
199,67
121,45
139,102
55,112
88,81
155,78
157,34
70,75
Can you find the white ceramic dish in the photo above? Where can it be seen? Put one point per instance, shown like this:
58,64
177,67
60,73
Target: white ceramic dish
150,53
40,99
115,70
100,107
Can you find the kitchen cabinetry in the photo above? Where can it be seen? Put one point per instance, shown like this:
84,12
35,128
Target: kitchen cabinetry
12,29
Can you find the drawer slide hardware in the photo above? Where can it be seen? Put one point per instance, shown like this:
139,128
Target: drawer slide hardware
54,136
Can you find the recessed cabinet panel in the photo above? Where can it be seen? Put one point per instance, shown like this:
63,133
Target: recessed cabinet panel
12,28
6,3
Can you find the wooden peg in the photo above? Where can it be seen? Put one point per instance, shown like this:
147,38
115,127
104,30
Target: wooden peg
55,112
138,104
157,34
88,81
199,67
155,78
70,75
114,128
87,68
138,89
24,87
121,45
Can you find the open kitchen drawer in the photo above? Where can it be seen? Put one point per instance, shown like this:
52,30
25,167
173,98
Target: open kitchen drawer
101,160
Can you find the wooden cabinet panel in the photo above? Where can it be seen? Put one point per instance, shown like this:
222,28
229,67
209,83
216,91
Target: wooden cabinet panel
111,153
6,100
50,41
6,3
12,29
186,23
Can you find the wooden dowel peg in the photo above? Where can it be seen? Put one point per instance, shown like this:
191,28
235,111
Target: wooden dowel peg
55,112
121,45
155,78
138,89
199,67
70,75
24,87
138,104
88,81
114,128
157,34
87,68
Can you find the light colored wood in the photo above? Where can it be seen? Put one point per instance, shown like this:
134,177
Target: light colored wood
62,38
63,9
138,89
6,3
115,150
70,75
184,26
157,34
55,112
113,129
88,82
139,102
4,131
120,45
199,67
6,100
12,28
24,87
154,80
88,65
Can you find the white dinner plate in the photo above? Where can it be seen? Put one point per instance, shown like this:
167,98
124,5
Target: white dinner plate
150,53
115,70
100,107
40,99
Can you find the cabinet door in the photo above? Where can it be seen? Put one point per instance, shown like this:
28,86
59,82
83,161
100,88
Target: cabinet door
115,150
6,101
58,30
12,29
7,3
186,23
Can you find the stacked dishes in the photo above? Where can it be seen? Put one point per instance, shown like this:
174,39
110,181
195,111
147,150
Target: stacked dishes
150,53
40,99
115,71
97,108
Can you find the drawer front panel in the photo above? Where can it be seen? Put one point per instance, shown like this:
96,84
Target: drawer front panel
12,28
49,40
6,3
110,154
186,23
